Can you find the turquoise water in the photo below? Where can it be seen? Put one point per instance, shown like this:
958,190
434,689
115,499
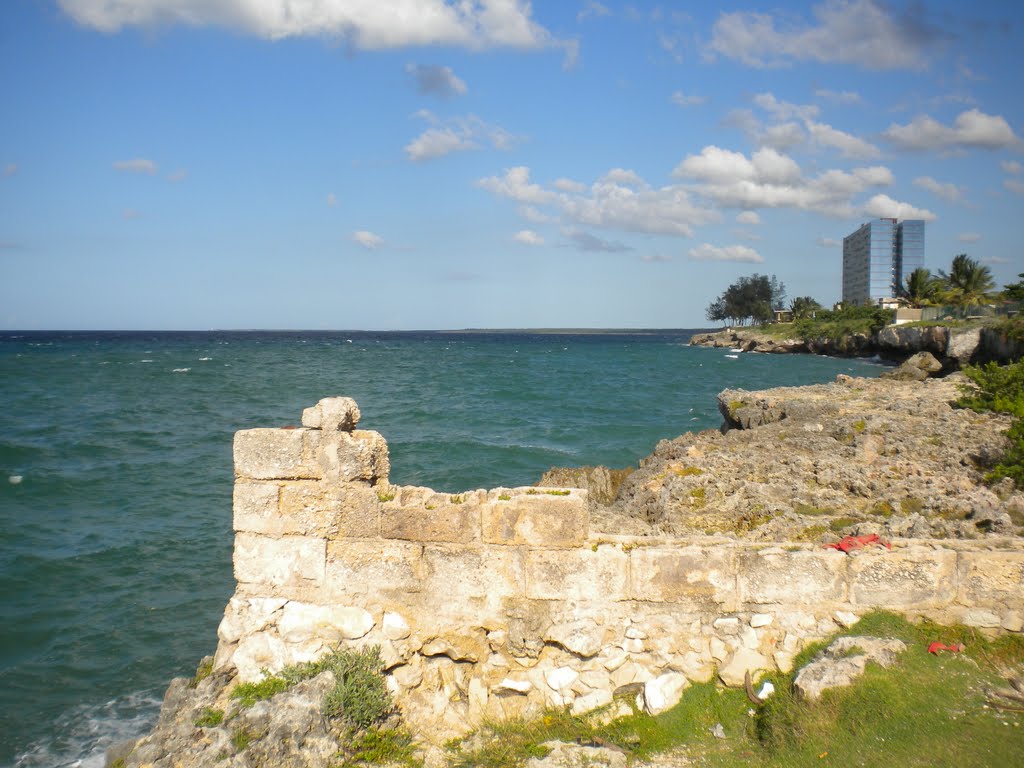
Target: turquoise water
115,476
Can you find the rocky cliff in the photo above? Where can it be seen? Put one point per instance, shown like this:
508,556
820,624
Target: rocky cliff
953,346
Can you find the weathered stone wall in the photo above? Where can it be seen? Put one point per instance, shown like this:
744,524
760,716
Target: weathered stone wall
497,603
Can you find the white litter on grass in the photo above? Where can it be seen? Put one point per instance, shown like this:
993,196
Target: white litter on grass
766,690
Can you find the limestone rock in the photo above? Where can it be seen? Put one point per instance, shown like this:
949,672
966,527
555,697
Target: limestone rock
916,368
663,692
834,668
743,661
564,755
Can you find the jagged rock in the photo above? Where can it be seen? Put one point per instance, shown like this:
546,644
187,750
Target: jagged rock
916,368
601,483
743,661
843,662
564,755
663,692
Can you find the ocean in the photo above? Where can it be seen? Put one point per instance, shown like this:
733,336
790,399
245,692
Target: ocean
116,476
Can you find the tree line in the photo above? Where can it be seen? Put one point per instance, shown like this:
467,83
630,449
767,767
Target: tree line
755,299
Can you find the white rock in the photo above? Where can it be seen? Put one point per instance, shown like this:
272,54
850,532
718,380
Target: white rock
783,660
761,620
1013,621
728,625
718,649
846,619
510,685
979,618
663,692
748,636
743,661
583,637
599,698
394,626
616,660
560,678
635,633
408,676
633,646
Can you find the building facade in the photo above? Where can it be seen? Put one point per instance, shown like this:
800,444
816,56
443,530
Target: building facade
878,257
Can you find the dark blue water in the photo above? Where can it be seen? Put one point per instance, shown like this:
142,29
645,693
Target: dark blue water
115,476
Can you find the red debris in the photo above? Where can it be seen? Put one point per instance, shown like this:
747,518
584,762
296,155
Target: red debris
850,543
937,646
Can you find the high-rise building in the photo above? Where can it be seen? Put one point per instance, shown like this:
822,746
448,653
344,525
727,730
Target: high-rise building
878,257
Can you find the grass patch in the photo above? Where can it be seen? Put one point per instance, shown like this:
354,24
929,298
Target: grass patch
840,523
687,471
457,499
203,671
380,746
807,509
859,425
925,711
210,718
911,505
242,737
504,497
1000,389
385,496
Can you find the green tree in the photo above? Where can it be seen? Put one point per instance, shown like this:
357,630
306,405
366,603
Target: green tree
921,288
749,299
968,283
804,307
1014,291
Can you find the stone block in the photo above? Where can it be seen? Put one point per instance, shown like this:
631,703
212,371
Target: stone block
390,569
254,505
922,578
582,637
991,578
276,454
803,577
301,622
579,574
537,519
453,575
294,561
349,510
332,414
695,576
451,521
345,457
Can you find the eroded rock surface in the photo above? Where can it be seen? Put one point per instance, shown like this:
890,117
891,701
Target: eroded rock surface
843,662
856,456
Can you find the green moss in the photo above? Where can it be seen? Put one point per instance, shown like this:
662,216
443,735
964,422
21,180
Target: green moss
210,718
859,425
687,471
882,508
504,497
735,405
811,533
807,509
698,497
840,523
385,496
911,506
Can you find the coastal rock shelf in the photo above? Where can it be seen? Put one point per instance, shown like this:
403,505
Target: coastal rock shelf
496,604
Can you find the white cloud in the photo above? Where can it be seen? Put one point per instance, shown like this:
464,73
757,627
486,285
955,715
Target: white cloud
624,177
1009,166
839,97
858,32
947,191
436,80
458,134
681,99
588,242
828,242
136,165
568,185
847,144
884,207
532,214
515,184
970,129
739,253
10,169
592,8
1014,185
968,237
748,217
331,199
368,240
772,180
784,110
365,25
528,237
782,136
179,175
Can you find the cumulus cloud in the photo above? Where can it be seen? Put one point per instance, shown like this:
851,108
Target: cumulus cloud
968,237
681,99
884,207
739,253
847,144
784,110
364,25
136,165
516,185
795,123
367,239
588,242
568,185
769,179
457,134
972,129
436,80
1009,166
859,32
947,191
748,217
528,237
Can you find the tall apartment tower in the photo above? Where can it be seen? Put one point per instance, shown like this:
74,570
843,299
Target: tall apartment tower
878,257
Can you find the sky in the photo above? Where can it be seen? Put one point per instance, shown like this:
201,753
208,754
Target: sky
442,164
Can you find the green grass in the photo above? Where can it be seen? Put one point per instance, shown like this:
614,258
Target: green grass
380,746
242,737
210,718
927,710
1000,389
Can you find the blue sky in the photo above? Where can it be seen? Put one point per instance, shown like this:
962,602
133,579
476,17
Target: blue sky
196,164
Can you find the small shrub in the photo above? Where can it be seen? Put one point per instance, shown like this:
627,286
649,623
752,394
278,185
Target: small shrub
504,497
859,425
911,505
360,694
385,496
882,508
203,671
249,693
1000,389
456,499
242,737
379,746
210,718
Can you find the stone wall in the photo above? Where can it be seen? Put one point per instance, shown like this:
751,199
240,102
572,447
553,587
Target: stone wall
499,603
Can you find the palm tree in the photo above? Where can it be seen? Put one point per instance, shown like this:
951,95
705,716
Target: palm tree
968,283
920,288
804,306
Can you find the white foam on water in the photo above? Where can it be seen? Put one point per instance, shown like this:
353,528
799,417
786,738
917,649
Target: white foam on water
180,370
86,732
733,357
204,359
15,479
146,361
